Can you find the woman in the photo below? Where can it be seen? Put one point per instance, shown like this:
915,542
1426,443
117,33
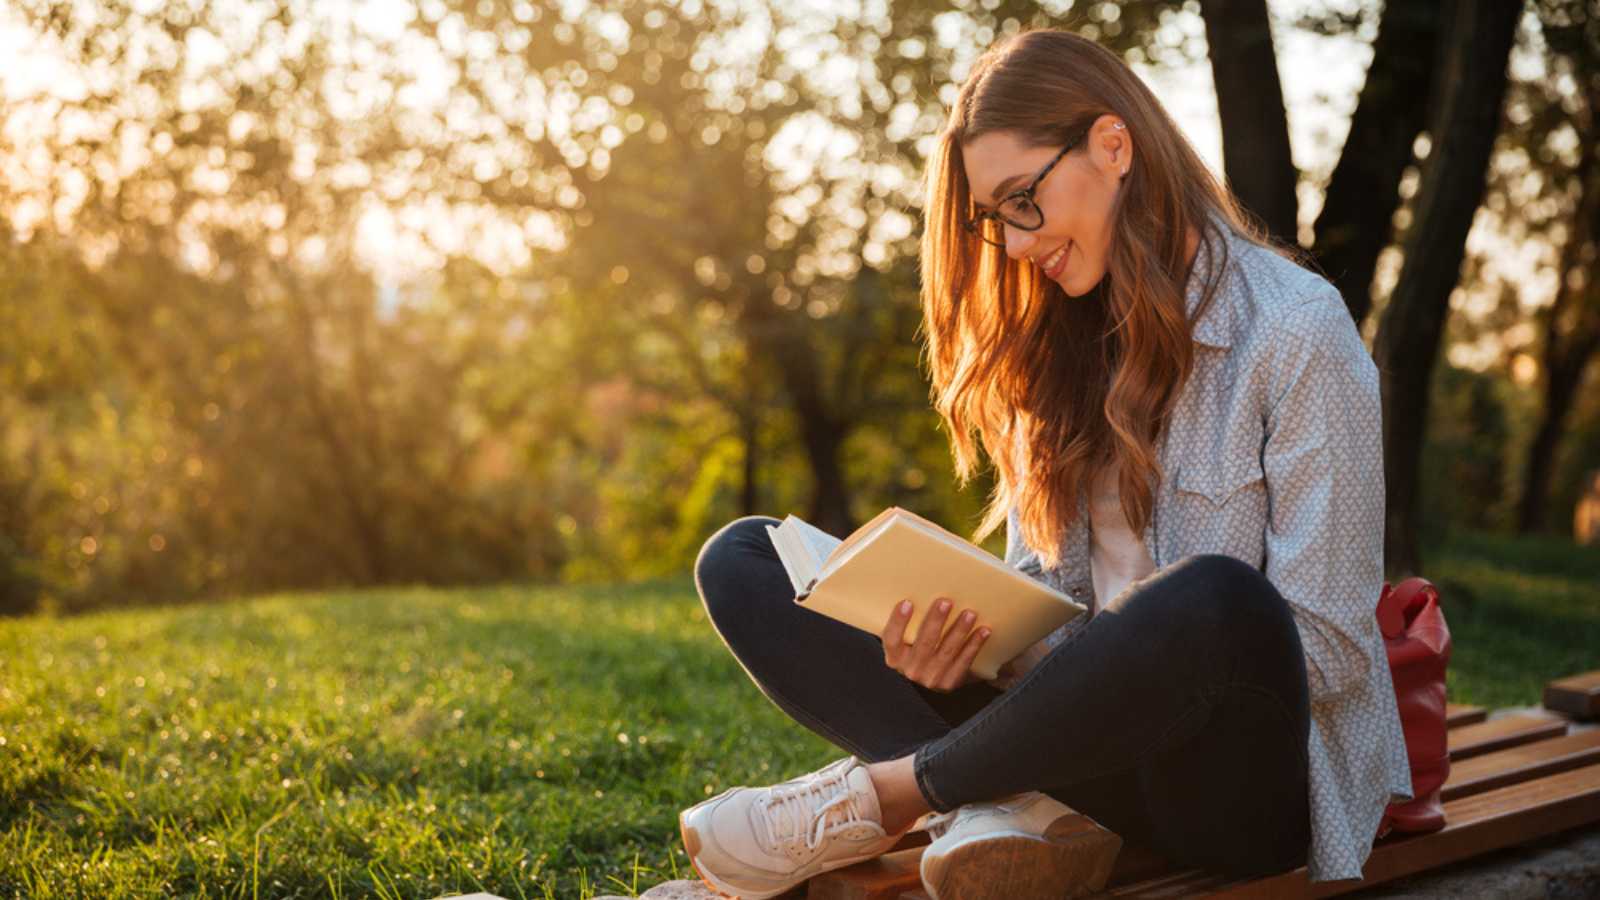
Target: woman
1186,431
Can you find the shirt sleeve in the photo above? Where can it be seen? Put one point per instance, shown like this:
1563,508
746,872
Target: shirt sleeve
1323,461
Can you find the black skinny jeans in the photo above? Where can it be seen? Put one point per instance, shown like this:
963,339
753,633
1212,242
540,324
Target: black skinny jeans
1177,717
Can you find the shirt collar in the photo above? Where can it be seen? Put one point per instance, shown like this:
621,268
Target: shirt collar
1215,327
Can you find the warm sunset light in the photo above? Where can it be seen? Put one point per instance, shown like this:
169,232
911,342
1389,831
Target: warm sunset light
484,447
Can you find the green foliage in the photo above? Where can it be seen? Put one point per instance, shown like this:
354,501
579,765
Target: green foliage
1464,460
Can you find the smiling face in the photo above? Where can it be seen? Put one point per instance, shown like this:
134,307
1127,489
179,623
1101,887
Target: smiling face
1076,198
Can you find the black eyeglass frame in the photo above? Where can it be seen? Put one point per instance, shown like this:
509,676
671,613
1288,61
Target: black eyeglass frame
975,224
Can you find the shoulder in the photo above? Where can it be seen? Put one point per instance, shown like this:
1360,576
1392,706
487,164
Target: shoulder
1287,306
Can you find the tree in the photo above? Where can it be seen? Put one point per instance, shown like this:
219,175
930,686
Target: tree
1255,130
1569,328
1471,89
1362,194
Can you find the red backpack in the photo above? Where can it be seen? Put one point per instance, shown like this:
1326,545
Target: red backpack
1418,643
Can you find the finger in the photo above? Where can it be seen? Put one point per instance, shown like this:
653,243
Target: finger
927,640
894,631
955,638
969,652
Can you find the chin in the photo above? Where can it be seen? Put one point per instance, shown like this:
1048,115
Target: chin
1077,287
1073,289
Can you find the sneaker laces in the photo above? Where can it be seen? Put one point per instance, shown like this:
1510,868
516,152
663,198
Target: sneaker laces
790,813
937,823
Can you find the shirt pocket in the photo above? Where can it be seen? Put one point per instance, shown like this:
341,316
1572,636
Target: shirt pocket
1220,505
1213,484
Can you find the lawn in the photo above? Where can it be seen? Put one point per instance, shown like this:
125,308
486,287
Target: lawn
527,741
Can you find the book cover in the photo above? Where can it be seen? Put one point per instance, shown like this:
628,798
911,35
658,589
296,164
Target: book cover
900,555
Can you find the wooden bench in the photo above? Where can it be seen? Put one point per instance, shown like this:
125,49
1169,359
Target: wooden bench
1578,696
1513,779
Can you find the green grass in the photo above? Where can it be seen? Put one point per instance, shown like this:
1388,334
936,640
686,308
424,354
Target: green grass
527,741
1521,612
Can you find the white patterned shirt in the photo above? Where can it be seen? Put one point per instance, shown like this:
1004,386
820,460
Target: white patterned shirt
1274,456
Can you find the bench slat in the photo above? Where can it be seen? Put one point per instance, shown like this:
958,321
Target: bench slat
1457,715
1503,817
1524,763
1577,696
1498,734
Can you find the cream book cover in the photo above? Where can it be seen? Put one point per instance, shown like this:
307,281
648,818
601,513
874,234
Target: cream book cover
900,555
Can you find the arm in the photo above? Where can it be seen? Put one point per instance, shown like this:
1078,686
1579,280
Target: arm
1323,461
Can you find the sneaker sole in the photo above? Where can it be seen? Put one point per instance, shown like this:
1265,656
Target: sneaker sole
1072,859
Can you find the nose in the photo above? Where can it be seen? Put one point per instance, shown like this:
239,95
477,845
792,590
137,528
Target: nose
1018,241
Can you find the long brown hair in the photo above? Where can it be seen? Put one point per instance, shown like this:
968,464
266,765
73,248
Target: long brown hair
1058,387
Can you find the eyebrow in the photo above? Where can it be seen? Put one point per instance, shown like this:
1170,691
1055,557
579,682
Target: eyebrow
1004,187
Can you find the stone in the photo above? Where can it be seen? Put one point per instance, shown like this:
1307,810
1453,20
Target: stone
674,890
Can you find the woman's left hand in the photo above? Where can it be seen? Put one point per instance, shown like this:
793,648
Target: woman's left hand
938,659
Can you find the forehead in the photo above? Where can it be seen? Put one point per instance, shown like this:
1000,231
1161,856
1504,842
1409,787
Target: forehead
991,158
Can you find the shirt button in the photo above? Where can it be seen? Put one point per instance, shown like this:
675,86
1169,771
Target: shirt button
1077,592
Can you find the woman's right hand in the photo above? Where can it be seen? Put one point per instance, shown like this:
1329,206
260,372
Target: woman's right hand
940,663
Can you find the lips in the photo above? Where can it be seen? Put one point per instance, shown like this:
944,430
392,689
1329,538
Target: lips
1061,264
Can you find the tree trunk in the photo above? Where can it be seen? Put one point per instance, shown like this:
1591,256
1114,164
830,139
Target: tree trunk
1255,130
781,339
365,522
1355,223
1561,388
1479,35
1571,334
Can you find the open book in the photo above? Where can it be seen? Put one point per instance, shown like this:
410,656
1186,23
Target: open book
900,555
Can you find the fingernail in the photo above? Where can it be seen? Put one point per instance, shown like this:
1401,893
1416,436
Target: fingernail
966,617
983,632
944,606
905,607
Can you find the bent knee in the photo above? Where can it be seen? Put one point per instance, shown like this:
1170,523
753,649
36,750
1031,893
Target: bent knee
721,551
1229,586
740,535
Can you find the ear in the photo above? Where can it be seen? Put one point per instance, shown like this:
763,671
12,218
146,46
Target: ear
1110,147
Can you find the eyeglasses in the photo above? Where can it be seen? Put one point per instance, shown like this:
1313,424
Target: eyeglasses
1018,208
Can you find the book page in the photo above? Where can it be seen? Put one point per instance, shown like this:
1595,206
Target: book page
801,547
793,561
817,542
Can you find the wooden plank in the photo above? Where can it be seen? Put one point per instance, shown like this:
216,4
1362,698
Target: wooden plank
1498,734
1524,763
1457,715
1577,696
1177,885
884,878
1493,820
1089,849
1137,862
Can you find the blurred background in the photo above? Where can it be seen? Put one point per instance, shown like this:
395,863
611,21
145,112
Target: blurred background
307,295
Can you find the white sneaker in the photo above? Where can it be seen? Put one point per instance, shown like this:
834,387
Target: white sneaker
759,842
1027,846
